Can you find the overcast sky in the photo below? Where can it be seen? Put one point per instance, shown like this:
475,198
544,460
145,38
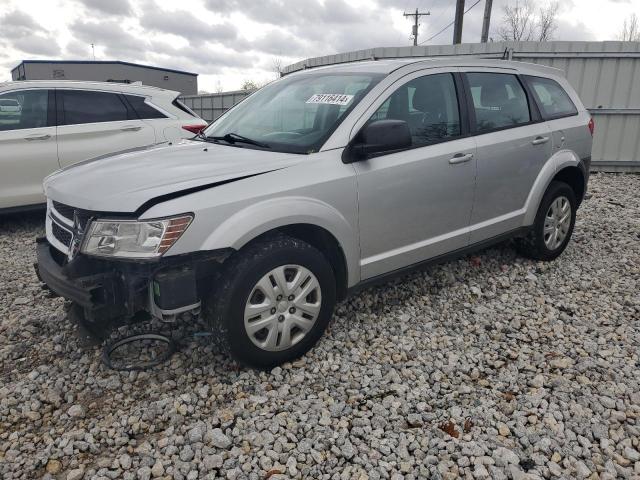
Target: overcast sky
229,41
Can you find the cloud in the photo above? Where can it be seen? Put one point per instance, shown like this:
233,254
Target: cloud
110,35
289,12
187,25
37,45
280,43
21,32
110,7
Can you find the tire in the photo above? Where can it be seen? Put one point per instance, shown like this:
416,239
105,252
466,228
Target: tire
539,245
246,280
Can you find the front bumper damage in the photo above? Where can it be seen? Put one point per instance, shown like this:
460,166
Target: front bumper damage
111,292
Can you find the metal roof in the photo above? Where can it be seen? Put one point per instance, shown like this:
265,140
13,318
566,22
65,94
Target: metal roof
105,62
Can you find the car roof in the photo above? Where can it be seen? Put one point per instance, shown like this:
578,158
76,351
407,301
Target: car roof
132,88
389,65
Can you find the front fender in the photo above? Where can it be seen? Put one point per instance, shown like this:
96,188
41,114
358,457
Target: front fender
254,220
560,160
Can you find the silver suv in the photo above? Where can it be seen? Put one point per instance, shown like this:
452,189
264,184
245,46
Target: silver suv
319,184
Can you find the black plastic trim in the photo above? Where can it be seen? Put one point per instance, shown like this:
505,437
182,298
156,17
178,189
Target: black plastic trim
51,108
385,277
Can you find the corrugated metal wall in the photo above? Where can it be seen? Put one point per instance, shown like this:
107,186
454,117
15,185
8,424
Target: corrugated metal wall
605,74
212,105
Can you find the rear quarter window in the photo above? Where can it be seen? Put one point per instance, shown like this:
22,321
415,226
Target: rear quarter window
553,100
143,109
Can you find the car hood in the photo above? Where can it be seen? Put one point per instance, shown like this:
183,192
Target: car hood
125,181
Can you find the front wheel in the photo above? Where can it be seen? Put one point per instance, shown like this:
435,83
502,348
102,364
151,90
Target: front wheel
553,225
275,300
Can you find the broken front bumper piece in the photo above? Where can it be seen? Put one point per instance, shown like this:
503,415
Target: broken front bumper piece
113,291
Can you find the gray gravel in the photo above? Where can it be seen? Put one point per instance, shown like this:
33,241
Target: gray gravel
492,366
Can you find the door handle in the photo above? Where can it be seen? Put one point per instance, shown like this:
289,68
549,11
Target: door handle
539,140
37,137
460,158
130,129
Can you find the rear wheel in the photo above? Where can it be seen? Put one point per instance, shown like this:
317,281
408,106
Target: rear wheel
275,300
553,225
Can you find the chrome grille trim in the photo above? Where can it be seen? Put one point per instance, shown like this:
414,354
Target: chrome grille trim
62,232
63,219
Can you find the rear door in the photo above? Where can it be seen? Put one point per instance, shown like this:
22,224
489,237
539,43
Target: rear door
27,145
94,123
513,146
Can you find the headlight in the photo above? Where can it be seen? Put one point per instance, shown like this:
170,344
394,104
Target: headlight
134,239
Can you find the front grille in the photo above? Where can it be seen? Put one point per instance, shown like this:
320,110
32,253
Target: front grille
65,210
60,234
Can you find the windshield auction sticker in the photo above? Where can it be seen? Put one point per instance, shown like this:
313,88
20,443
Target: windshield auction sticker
330,98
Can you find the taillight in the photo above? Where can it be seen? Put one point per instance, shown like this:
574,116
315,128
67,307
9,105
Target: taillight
195,129
591,125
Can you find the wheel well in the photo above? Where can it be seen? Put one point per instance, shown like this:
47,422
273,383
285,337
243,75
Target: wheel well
573,177
324,241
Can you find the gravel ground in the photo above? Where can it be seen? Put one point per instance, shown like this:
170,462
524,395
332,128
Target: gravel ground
490,366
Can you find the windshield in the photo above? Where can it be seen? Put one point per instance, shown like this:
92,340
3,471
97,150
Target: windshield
296,114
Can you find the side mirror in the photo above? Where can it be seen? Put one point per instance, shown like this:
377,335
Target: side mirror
380,136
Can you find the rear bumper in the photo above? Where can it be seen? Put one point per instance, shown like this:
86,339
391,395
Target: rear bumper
114,291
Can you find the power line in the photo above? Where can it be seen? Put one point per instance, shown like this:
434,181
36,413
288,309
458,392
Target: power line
416,16
445,28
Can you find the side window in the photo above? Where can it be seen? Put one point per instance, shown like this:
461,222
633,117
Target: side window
499,100
429,105
142,109
553,100
23,109
81,106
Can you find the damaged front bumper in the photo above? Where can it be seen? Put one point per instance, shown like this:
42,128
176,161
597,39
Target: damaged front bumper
111,292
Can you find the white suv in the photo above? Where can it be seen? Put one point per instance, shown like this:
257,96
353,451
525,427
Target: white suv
46,125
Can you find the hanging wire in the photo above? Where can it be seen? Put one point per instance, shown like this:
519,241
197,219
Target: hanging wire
445,28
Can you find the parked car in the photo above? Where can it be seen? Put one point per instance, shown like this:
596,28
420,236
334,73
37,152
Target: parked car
46,125
319,184
9,106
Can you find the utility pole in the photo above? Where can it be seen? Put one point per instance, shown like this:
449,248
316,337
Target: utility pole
457,26
486,21
93,51
414,31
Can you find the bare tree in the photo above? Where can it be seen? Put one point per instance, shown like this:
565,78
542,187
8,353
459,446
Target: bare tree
218,86
547,21
250,85
519,22
276,66
630,29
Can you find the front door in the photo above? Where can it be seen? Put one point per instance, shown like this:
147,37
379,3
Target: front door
93,123
416,204
27,146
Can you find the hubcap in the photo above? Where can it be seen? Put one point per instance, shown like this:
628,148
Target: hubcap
557,222
282,307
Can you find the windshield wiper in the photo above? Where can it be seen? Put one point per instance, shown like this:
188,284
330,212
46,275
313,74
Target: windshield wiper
235,138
